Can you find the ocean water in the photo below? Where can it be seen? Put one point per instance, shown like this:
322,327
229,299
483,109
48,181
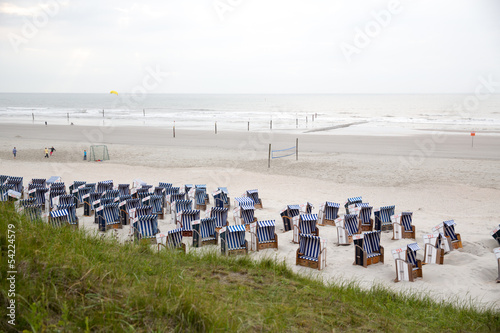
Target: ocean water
323,113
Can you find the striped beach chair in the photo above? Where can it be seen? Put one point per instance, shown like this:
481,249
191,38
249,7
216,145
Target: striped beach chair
51,197
200,194
106,185
3,179
165,185
367,249
74,189
54,180
352,201
59,218
4,189
383,218
263,235
125,206
496,251
173,194
220,215
33,211
145,228
453,240
434,248
40,194
72,217
66,199
178,206
185,220
232,240
254,195
155,201
347,226
311,252
304,224
17,182
496,234
111,217
91,201
204,232
221,197
39,182
204,187
408,267
111,194
243,213
171,240
287,214
306,208
124,189
402,226
328,213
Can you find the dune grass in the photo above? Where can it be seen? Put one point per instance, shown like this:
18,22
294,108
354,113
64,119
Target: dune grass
70,281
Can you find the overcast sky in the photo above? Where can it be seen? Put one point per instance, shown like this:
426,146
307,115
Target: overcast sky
248,46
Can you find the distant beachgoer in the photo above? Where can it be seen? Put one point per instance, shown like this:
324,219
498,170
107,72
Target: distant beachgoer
14,151
84,155
46,153
45,123
71,124
52,150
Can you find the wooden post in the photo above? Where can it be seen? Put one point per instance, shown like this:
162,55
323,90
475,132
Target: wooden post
144,112
33,116
174,129
67,115
297,149
296,122
215,127
248,127
270,124
269,157
103,113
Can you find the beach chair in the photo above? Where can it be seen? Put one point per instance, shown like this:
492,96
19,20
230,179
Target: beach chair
165,185
3,179
287,214
145,228
65,199
33,211
72,217
172,240
497,254
347,226
306,208
367,249
155,201
17,182
383,218
364,214
232,240
54,180
4,189
304,224
13,195
263,235
91,201
408,267
111,217
204,187
496,234
402,226
328,213
172,194
254,195
221,198
51,197
311,252
106,185
59,218
204,232
178,206
448,229
125,207
74,189
352,201
38,182
220,215
435,248
243,213
200,198
124,189
185,219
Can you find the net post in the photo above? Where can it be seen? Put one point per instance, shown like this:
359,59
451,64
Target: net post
269,158
215,127
297,149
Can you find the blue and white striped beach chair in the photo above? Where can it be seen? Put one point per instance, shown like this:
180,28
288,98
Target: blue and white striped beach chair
39,182
40,196
104,186
33,211
71,208
221,197
243,212
3,179
125,206
200,194
164,185
185,219
73,188
4,189
367,249
352,201
51,195
58,218
347,226
145,228
408,267
311,252
172,195
232,240
328,213
383,218
111,217
287,214
17,182
124,189
54,180
220,215
304,224
448,228
402,226
263,235
156,202
171,240
254,195
66,199
204,232
306,208
178,206
434,248
365,216
496,234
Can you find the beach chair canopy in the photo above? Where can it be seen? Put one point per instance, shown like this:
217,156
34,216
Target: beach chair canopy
406,219
353,200
124,189
181,205
174,238
177,196
17,182
307,223
131,203
3,179
245,202
265,231
235,237
172,190
66,199
39,181
146,226
331,210
309,247
220,215
221,197
54,180
156,201
26,202
143,210
351,224
164,185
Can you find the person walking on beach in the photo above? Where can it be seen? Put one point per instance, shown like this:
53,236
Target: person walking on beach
46,153
52,150
84,155
14,151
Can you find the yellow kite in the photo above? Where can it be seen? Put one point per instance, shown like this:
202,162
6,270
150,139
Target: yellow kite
113,92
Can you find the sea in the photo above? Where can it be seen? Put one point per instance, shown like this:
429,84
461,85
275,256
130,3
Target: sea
241,112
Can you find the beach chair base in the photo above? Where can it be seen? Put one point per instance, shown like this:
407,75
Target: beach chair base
236,252
386,227
201,207
305,262
409,234
258,205
457,244
161,215
328,222
412,272
113,226
367,227
209,242
349,241
268,245
187,233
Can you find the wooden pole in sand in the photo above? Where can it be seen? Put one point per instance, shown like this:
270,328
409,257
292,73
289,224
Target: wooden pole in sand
103,113
33,116
215,127
173,129
270,124
297,149
144,112
248,127
269,157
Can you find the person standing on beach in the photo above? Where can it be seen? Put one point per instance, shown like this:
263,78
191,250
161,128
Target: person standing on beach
46,153
84,155
52,150
14,151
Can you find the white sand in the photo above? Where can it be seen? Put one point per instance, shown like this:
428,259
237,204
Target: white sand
436,177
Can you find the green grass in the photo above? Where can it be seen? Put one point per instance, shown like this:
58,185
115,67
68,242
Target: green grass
71,281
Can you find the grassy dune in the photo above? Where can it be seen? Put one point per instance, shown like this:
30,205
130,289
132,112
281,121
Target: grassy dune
71,281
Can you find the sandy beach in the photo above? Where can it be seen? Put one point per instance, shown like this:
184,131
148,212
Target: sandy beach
436,175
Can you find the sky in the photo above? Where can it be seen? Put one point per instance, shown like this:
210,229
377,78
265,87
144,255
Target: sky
248,46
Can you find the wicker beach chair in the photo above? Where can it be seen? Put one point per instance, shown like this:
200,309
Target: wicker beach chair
434,248
402,226
383,218
408,267
145,228
448,229
254,195
328,213
172,240
221,197
232,240
311,252
263,235
204,232
104,186
185,218
352,201
287,214
243,213
155,201
347,226
304,224
367,249
220,215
